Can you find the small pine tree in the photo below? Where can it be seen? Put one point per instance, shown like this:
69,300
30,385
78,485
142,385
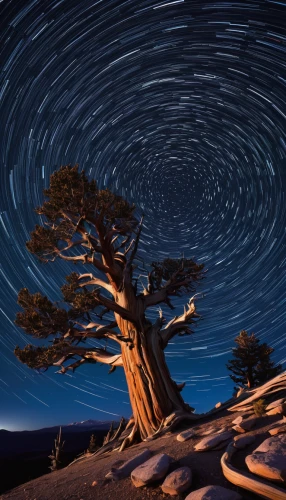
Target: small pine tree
93,446
251,364
259,407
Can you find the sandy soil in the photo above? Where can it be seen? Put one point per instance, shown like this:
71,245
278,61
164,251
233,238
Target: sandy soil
77,482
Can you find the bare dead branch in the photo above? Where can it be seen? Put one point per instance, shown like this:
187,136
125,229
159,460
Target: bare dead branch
100,332
95,281
96,354
180,323
127,273
136,242
72,366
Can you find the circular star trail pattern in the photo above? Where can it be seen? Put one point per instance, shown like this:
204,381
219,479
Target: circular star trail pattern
180,107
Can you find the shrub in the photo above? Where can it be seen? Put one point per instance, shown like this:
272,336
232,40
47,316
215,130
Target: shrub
259,407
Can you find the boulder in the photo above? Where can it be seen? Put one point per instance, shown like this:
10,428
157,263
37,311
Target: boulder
152,470
241,442
222,445
178,481
269,459
185,435
280,409
269,465
212,441
125,469
248,423
274,404
276,444
213,493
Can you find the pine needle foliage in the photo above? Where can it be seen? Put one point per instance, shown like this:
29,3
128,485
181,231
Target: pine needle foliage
251,364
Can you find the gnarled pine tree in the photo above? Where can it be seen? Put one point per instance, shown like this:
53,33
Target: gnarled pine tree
97,229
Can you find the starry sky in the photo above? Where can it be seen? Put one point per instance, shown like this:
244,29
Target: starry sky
179,106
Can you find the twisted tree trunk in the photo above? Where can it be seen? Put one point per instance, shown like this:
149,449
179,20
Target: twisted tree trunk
155,398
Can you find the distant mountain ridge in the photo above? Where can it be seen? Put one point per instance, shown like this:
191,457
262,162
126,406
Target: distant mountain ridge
73,427
90,424
76,436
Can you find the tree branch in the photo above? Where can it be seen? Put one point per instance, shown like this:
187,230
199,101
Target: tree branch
94,353
106,245
116,308
135,243
162,284
180,323
96,281
155,298
127,273
72,366
101,332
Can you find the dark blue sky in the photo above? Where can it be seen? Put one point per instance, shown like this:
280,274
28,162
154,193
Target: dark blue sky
180,107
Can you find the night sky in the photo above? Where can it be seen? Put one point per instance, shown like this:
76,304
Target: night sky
179,106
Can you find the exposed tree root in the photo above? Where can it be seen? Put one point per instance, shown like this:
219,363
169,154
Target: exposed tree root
171,422
130,439
249,481
127,435
275,386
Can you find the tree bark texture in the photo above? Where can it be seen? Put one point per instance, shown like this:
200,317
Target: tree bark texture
154,396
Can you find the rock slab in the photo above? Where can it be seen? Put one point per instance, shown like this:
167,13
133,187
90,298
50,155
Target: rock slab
280,409
248,423
211,430
274,404
276,444
237,420
185,435
152,470
210,442
241,442
178,481
125,469
213,493
269,465
269,459
239,429
277,430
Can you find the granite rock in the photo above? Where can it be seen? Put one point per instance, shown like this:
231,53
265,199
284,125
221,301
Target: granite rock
152,470
241,442
185,435
210,442
177,481
213,493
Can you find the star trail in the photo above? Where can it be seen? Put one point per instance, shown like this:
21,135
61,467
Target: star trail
179,106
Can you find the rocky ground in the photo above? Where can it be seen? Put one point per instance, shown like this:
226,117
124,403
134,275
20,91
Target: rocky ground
85,479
